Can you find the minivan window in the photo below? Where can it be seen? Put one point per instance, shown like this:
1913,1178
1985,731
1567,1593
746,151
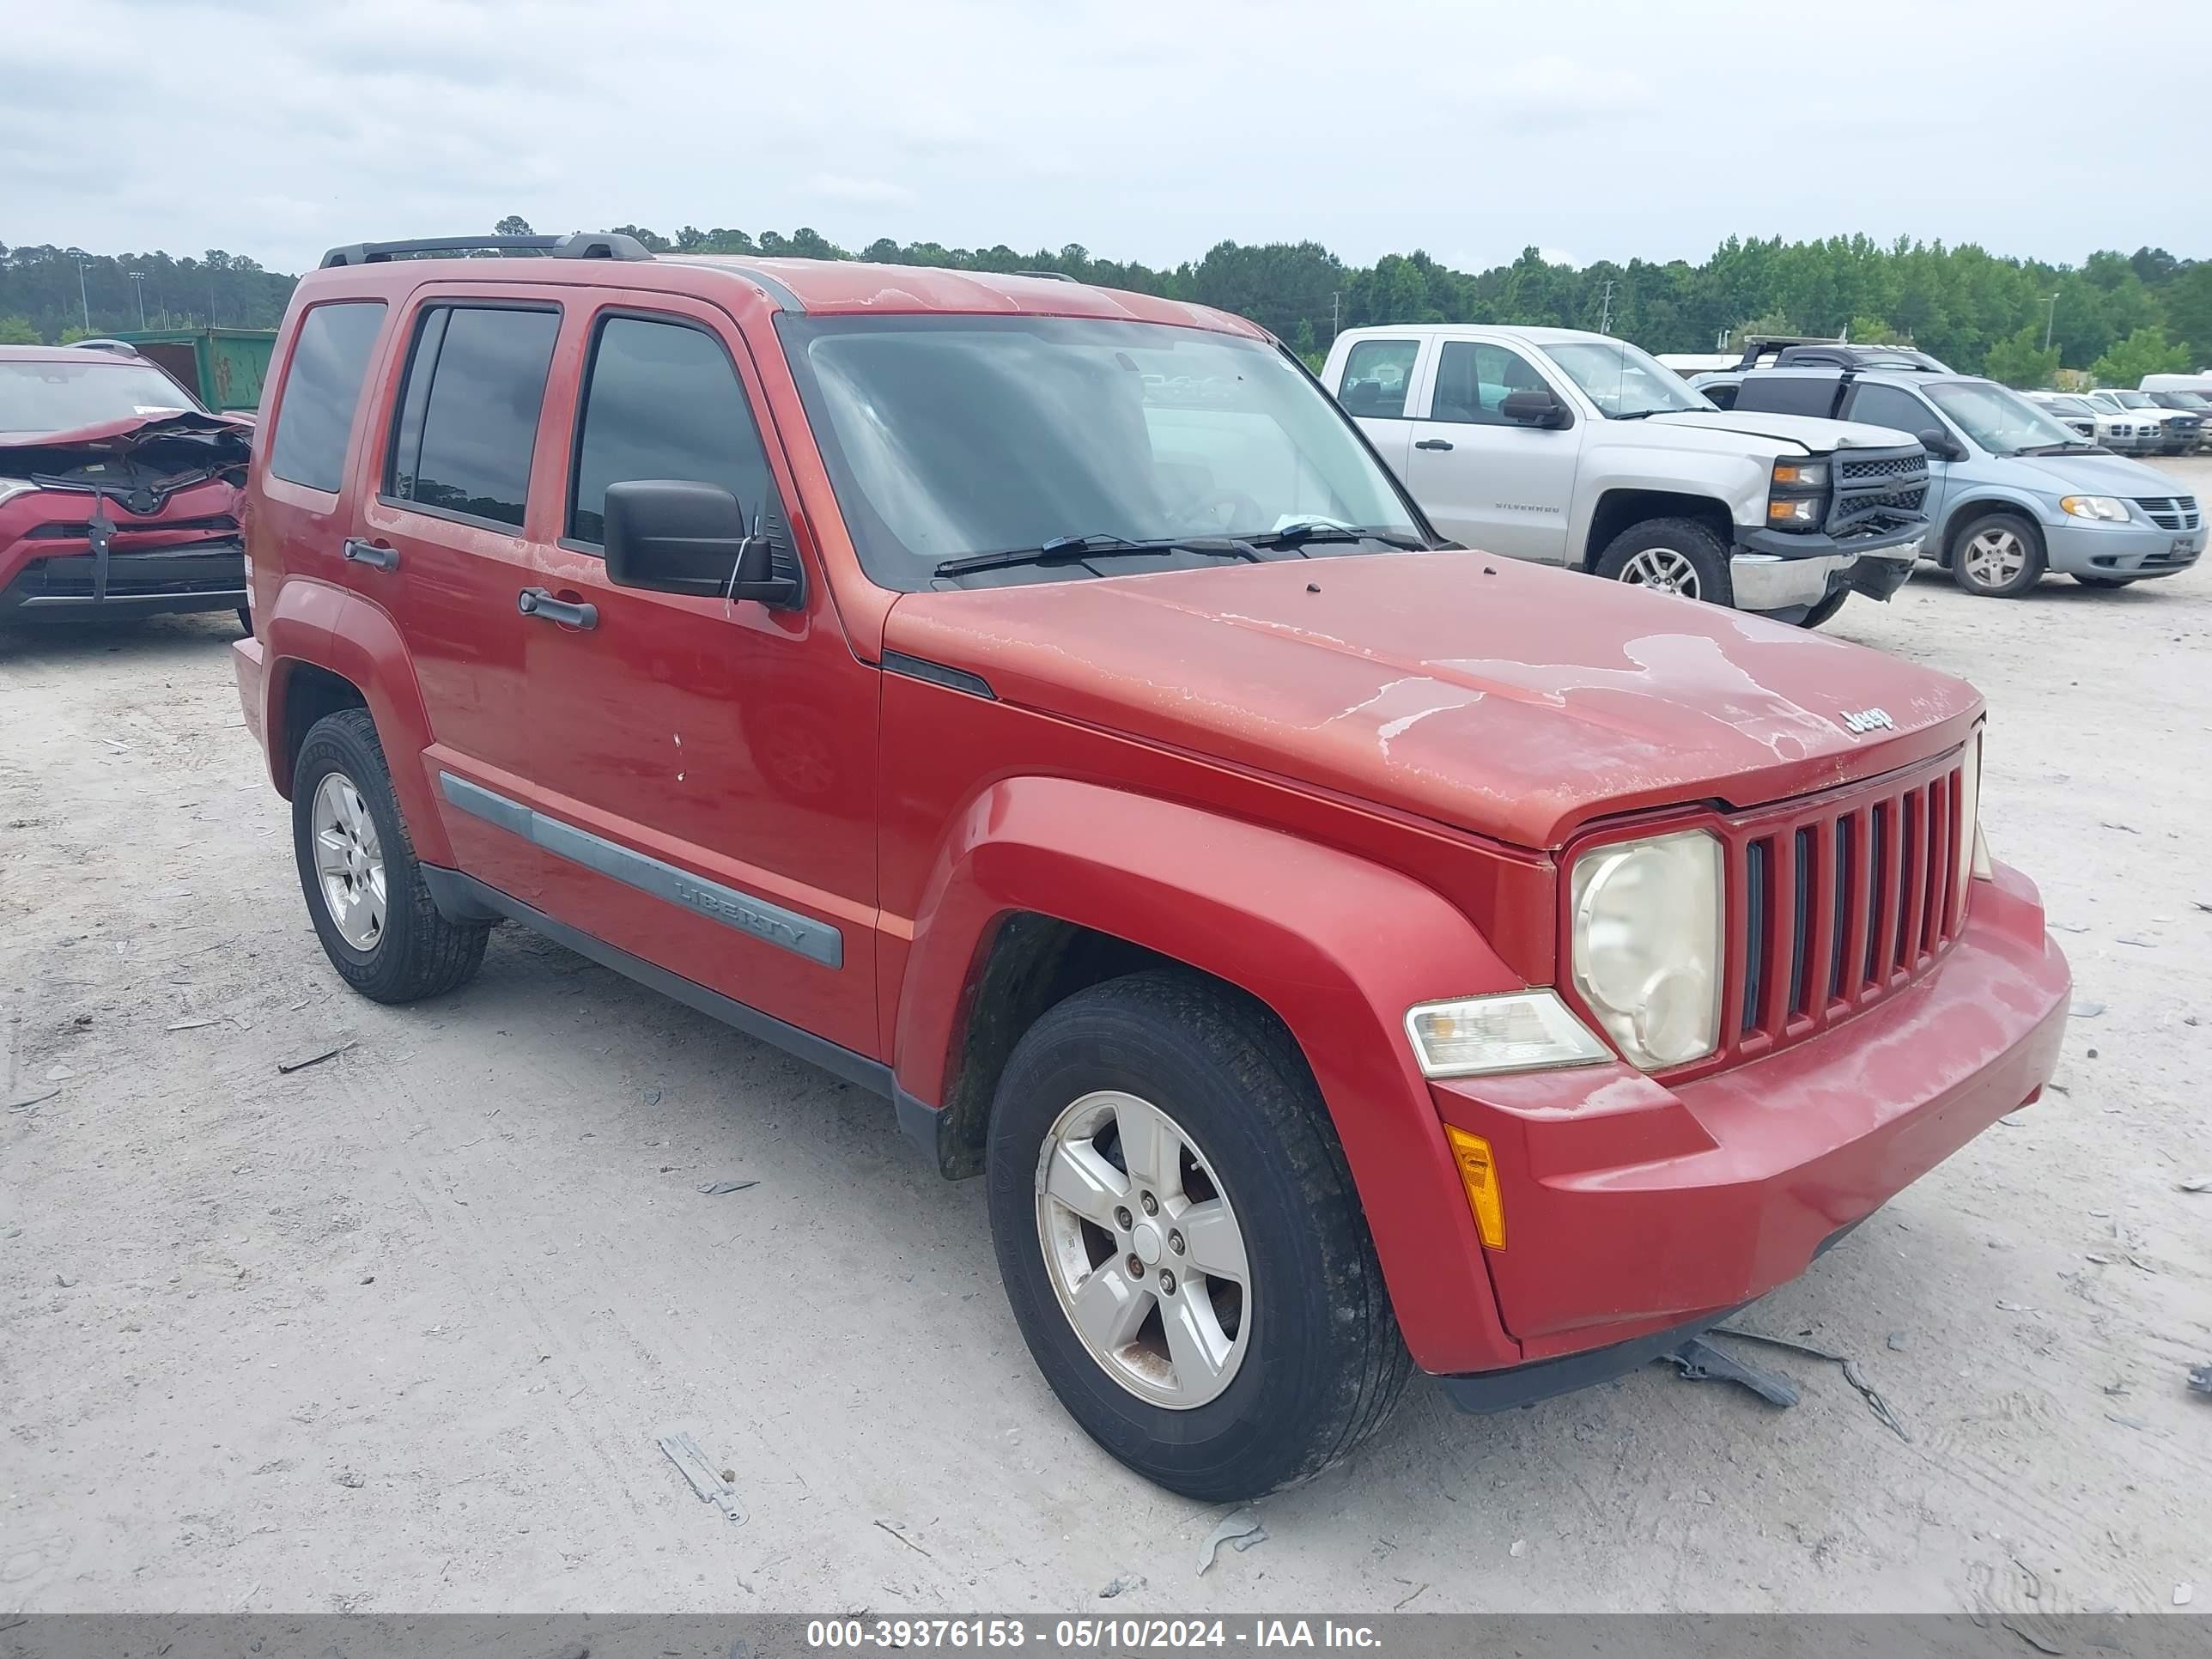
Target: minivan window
1887,405
1998,418
1377,375
468,414
322,388
957,436
661,400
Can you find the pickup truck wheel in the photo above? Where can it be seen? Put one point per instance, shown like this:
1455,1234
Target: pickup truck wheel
1999,556
363,885
1670,556
1181,1241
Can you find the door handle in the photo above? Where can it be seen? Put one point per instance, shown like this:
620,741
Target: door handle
357,551
1433,443
538,602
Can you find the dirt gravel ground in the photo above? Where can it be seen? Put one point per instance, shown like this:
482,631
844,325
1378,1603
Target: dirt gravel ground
396,1332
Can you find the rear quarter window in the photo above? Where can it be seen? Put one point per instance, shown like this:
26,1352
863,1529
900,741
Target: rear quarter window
1790,394
322,392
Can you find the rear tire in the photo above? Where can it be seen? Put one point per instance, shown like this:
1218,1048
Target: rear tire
358,867
1168,1087
1998,556
1672,556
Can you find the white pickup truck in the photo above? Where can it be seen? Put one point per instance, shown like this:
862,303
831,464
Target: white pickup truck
1577,449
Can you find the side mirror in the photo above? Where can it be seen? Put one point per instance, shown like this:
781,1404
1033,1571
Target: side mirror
1940,444
1533,406
673,536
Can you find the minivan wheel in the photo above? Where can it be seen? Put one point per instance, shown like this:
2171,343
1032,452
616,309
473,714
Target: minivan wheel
1180,1241
358,867
1670,556
1998,556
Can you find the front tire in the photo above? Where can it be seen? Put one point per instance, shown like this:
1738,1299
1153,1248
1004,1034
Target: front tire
1670,556
364,887
1998,556
1181,1241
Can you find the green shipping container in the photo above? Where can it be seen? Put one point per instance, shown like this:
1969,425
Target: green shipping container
224,366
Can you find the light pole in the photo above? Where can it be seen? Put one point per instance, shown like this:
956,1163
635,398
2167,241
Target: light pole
82,299
2050,319
138,285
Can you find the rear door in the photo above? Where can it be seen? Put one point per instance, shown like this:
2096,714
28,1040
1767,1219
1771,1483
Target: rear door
1495,484
1375,386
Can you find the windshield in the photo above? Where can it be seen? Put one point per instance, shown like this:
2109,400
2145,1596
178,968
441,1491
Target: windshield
2189,400
49,397
2066,405
1623,379
1998,419
947,437
2133,400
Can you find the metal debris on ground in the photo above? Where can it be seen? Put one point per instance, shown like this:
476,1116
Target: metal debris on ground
285,1068
1699,1361
716,1189
1875,1403
706,1480
1234,1530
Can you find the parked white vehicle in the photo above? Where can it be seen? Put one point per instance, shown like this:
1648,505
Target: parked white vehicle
2093,421
1577,449
2149,435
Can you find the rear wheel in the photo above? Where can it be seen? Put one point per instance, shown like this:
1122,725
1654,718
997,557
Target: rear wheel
1999,556
1180,1241
1670,556
358,867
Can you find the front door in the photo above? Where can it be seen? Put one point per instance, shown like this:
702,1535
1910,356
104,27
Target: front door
687,780
1498,485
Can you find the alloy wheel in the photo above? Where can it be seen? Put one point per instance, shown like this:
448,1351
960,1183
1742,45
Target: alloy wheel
348,862
1144,1250
1664,570
1994,558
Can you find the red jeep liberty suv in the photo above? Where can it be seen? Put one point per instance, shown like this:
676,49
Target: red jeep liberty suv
1338,953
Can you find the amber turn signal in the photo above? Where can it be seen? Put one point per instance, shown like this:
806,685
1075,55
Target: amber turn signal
1478,1173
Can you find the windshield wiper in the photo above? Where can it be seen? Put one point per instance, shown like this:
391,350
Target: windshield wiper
1315,530
1074,549
2053,449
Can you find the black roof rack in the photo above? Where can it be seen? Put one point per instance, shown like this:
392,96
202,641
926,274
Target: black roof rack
577,245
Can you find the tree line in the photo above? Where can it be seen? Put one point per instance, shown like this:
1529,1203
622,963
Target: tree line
2115,316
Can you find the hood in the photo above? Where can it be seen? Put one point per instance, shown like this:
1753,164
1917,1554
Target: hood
1814,433
121,436
1512,700
138,461
2091,475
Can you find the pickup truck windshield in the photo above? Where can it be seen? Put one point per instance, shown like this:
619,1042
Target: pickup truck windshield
949,437
1997,418
42,396
1623,381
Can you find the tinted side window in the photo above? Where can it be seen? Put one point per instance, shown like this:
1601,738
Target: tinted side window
661,400
322,386
468,415
1790,394
1376,374
1887,406
1472,380
1720,397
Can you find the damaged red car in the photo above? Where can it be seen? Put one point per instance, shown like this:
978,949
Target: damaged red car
119,492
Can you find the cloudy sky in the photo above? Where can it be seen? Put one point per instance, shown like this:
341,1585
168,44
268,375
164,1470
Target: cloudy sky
1591,127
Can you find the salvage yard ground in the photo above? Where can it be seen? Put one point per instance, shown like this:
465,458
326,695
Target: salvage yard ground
397,1331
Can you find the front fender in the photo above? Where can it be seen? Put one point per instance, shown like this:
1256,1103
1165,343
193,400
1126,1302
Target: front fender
1337,946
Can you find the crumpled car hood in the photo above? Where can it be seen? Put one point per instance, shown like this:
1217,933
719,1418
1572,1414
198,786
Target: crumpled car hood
139,460
1512,700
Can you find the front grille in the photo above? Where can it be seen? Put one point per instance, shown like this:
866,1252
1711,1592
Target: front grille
220,524
1877,492
2171,512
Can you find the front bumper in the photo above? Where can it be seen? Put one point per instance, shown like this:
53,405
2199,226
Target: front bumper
1774,570
1634,1208
2077,548
204,575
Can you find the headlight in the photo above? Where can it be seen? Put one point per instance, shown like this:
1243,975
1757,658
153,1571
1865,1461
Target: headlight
1524,1031
1804,509
2109,508
1973,851
1647,944
1801,475
11,488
